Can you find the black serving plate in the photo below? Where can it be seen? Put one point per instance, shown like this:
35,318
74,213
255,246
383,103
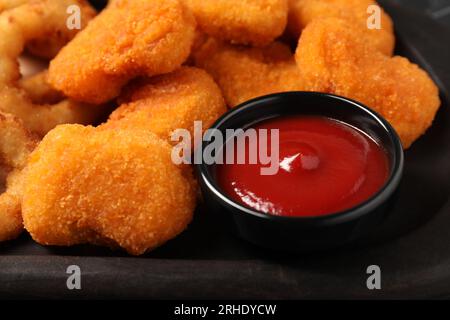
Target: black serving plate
412,247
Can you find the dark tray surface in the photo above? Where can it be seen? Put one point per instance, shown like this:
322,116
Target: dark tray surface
436,9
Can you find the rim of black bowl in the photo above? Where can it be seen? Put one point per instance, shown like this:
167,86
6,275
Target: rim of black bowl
353,213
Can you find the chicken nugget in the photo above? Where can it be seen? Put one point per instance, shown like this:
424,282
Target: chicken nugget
303,12
174,101
244,73
115,187
126,40
250,22
335,59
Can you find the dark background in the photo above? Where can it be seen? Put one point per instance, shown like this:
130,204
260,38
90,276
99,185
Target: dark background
438,9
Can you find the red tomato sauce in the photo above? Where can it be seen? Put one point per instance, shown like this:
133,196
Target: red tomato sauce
326,166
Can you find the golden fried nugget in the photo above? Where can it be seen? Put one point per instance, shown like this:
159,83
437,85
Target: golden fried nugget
252,22
336,59
16,144
115,187
50,43
174,101
303,12
126,40
245,73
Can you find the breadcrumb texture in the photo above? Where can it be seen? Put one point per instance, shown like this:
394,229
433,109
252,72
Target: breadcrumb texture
336,59
169,102
244,73
249,22
106,187
355,12
126,40
16,144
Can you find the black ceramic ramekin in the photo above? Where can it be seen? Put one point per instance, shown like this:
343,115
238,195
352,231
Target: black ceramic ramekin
299,234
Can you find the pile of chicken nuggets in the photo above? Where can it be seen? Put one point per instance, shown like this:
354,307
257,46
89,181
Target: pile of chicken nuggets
73,177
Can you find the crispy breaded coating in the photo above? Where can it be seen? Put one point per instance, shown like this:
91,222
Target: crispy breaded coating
303,12
249,22
16,144
115,187
174,101
335,59
126,40
244,73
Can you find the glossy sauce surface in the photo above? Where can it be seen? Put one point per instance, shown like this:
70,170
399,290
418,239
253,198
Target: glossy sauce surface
325,166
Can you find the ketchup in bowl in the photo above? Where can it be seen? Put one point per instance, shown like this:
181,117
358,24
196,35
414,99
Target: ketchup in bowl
325,166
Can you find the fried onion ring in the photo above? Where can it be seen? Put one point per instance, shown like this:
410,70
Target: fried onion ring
49,44
17,26
16,144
